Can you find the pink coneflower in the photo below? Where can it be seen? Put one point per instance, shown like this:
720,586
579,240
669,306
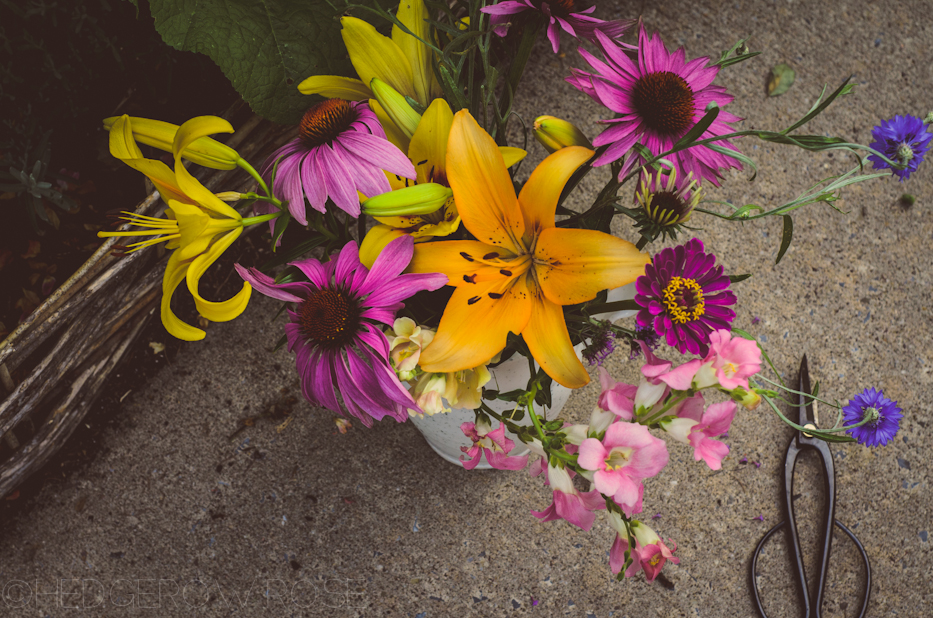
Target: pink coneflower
332,330
659,99
341,148
562,15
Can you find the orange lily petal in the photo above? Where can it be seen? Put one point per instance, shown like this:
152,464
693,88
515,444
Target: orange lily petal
549,342
482,188
578,264
460,260
538,199
474,326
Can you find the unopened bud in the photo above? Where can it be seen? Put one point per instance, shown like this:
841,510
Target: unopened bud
204,151
928,118
748,399
554,134
420,199
395,105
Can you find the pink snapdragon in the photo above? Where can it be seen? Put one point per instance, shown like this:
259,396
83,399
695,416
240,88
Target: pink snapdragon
493,444
698,428
621,460
650,552
616,397
735,360
569,503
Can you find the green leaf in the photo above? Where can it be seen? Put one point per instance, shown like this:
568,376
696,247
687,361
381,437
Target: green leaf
786,237
832,437
264,47
782,78
698,129
737,278
281,224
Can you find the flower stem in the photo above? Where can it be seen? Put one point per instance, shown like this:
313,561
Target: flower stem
673,401
260,219
243,164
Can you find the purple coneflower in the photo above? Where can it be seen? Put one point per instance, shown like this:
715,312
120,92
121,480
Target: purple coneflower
333,333
883,414
562,15
659,99
903,139
341,148
683,295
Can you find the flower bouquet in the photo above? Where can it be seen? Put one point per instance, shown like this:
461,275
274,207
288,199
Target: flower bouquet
413,256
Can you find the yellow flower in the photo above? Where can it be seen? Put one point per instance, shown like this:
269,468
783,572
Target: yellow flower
204,151
554,134
428,152
199,226
521,269
403,62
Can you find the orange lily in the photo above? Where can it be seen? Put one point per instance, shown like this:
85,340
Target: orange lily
521,269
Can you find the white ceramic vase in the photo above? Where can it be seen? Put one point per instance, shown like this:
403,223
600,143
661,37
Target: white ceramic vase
442,431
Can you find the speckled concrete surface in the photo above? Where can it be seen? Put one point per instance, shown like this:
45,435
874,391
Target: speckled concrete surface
307,522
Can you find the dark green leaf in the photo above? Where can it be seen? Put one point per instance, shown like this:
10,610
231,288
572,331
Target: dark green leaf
833,437
278,344
698,129
737,278
281,223
786,237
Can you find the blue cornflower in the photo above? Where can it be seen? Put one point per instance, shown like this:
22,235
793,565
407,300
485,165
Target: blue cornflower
885,415
904,139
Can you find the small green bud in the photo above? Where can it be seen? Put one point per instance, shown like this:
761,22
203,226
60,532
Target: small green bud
395,105
554,134
414,200
928,118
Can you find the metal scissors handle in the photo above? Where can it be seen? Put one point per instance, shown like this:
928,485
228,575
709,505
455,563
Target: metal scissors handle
800,442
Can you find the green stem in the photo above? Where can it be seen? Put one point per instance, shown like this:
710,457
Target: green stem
255,196
790,390
673,401
243,164
260,219
812,431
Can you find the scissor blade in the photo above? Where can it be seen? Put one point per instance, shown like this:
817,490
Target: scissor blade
804,387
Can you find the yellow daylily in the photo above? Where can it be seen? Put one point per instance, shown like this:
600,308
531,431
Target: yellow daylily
428,152
521,269
204,151
200,226
402,61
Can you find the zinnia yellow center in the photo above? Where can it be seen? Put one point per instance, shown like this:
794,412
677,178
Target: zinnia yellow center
684,300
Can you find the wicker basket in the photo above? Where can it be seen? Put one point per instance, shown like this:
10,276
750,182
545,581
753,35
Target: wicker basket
55,364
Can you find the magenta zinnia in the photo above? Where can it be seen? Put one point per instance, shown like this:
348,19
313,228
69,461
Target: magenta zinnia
341,148
562,15
332,329
658,100
683,295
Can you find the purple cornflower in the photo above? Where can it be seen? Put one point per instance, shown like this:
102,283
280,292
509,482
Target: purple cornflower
333,333
341,148
658,100
683,295
903,139
884,414
562,15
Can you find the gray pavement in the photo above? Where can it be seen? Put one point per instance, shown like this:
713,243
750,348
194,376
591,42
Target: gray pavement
304,521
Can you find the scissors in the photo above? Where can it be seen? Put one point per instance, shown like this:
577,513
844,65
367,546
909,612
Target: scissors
812,605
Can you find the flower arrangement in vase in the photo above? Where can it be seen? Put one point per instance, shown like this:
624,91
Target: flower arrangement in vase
415,260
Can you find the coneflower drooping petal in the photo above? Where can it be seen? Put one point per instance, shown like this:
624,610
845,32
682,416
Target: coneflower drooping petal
657,100
341,353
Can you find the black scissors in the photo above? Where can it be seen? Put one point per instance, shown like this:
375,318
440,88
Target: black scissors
811,605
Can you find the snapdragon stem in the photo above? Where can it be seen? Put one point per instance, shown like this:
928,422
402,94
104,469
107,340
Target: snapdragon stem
673,401
243,164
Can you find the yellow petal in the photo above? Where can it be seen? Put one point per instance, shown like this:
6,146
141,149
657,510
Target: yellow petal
375,241
393,133
482,187
217,311
374,55
428,150
175,272
192,221
396,106
335,87
474,326
187,133
511,155
578,264
549,342
538,199
203,151
123,146
413,14
460,260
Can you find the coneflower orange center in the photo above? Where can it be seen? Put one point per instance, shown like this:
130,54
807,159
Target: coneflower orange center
664,101
324,122
328,318
560,8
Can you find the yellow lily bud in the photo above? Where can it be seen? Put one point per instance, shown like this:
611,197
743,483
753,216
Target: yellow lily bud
414,200
554,134
229,196
204,151
395,105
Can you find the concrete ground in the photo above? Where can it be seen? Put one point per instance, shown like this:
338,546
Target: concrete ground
304,521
